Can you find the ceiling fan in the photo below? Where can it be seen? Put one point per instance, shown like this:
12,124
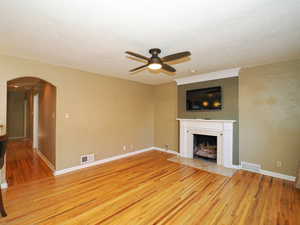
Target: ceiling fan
155,62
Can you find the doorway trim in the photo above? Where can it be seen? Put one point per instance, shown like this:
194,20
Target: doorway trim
35,142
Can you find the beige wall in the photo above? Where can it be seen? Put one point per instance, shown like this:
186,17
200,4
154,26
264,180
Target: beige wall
165,124
16,112
105,113
269,98
47,122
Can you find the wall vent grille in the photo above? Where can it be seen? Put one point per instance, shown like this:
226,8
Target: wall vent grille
251,166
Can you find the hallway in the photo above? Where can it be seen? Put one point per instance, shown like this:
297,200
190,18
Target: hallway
23,164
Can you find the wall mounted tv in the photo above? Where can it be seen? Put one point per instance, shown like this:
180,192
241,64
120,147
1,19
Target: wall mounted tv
204,99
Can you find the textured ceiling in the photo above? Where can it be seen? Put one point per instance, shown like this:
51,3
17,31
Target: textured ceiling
93,35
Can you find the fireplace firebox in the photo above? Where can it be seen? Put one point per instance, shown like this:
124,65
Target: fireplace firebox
205,146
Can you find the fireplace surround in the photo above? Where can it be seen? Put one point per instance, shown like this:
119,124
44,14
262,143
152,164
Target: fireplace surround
222,129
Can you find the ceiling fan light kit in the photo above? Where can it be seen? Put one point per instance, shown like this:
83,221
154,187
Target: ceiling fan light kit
154,66
155,62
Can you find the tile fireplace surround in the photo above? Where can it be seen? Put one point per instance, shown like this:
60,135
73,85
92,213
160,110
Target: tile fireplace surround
222,129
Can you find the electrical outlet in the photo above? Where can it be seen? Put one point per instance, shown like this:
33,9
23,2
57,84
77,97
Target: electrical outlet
84,159
131,147
278,163
124,147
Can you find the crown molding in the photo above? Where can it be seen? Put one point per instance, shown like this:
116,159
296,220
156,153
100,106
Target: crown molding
208,76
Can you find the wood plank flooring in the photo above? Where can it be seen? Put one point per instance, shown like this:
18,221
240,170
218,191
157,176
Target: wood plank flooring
149,189
23,164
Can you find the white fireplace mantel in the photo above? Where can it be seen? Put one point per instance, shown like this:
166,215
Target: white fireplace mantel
222,129
208,120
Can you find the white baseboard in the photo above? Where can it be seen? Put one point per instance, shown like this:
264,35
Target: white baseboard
278,175
236,167
44,158
101,161
166,150
13,138
268,173
4,185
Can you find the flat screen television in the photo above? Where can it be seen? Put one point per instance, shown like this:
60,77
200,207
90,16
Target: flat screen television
204,99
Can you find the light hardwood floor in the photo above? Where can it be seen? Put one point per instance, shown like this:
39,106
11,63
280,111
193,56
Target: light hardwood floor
23,164
149,189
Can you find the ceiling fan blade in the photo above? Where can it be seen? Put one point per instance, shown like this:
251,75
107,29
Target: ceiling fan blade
138,68
137,55
175,56
168,68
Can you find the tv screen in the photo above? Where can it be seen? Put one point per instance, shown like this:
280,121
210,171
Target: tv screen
204,99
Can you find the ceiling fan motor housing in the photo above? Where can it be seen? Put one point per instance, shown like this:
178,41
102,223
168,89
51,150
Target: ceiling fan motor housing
154,51
155,59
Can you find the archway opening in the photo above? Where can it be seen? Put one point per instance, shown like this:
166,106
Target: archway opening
31,129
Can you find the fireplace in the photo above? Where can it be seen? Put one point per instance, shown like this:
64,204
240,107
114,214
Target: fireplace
217,136
205,147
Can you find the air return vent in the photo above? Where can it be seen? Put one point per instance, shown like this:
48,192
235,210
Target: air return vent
84,159
251,166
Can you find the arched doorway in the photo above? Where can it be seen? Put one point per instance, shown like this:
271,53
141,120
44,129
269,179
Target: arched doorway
31,129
